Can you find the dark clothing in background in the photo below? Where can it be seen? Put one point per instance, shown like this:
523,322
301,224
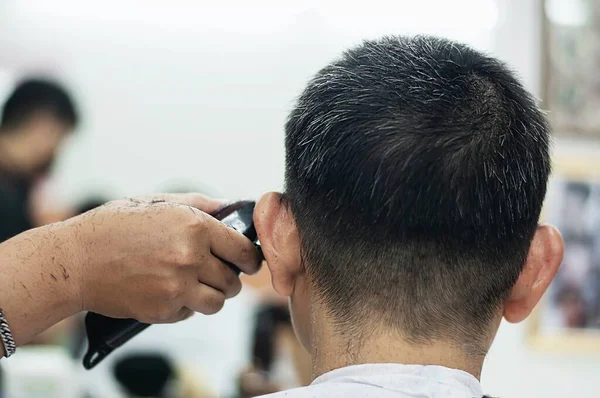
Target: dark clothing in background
14,214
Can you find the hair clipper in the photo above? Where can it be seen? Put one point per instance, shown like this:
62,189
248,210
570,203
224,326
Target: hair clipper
106,334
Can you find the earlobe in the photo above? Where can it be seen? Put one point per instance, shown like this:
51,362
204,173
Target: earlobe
544,258
279,240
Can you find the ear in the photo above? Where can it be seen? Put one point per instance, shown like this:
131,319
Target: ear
279,241
544,258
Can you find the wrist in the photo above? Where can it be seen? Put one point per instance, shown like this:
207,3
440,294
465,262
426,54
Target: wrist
40,286
64,264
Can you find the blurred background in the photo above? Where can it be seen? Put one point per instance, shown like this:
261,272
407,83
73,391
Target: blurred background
192,96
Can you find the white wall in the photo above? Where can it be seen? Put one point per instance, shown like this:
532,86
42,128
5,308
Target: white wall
195,93
190,91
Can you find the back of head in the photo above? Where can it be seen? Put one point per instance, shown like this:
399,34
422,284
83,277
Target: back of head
144,375
416,170
32,96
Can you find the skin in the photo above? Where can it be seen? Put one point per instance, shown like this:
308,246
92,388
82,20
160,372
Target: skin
156,259
28,147
331,348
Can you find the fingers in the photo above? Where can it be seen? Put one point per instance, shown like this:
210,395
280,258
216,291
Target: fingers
218,275
181,315
204,299
199,201
229,245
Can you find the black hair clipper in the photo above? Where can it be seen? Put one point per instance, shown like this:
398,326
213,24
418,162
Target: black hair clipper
106,334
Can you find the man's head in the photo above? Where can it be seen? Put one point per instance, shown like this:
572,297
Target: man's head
35,119
416,169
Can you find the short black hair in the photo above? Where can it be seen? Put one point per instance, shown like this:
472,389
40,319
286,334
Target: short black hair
34,95
416,168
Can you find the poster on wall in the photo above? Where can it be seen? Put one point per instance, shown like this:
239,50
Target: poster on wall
571,61
569,314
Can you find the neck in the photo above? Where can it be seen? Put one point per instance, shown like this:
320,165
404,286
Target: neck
332,349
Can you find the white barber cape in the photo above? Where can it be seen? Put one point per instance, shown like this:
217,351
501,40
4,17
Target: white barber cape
389,381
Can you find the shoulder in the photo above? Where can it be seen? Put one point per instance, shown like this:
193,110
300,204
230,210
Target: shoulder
347,390
293,393
312,391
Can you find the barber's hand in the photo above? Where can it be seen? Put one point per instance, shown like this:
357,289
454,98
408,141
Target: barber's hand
158,259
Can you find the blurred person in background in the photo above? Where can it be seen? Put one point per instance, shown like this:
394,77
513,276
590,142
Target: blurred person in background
572,307
153,375
279,362
36,118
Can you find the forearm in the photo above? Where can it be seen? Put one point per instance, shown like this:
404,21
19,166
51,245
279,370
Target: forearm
39,282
